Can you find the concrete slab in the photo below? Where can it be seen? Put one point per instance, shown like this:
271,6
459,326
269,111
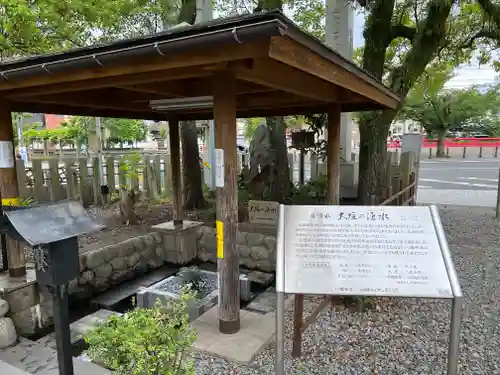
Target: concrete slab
256,331
127,289
81,327
7,369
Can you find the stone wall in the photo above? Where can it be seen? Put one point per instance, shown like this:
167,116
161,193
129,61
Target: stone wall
101,269
256,250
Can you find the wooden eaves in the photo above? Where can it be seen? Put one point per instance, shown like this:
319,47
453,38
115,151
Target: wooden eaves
279,70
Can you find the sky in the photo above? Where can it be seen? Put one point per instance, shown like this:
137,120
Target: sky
465,75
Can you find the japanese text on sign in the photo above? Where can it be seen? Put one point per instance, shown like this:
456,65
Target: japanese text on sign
363,251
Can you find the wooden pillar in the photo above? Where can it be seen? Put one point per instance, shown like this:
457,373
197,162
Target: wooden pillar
9,190
227,202
175,160
333,156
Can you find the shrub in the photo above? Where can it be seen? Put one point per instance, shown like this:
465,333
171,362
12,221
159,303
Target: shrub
154,341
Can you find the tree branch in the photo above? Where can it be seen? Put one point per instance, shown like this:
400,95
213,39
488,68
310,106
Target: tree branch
491,9
490,34
402,31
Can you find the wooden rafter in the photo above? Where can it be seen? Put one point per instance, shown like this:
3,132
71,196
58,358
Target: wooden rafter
291,53
279,76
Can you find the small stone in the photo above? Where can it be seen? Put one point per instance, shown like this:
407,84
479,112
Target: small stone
209,242
157,237
119,263
254,239
100,283
8,334
147,254
244,251
133,259
126,247
94,258
155,263
264,265
259,253
149,241
110,252
138,243
103,271
270,243
4,307
86,277
241,238
261,278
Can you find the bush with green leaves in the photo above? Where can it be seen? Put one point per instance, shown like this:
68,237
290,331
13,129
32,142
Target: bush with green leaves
155,341
311,192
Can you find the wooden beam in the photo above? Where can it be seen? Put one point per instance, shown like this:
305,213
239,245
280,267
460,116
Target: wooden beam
197,57
278,76
288,51
9,191
224,88
192,87
93,103
63,109
97,83
175,160
113,96
273,100
333,156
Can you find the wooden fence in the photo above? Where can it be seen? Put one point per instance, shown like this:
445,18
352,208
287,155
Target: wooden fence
400,191
53,179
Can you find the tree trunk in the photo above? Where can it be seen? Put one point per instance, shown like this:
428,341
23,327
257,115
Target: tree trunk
441,152
374,130
193,182
279,178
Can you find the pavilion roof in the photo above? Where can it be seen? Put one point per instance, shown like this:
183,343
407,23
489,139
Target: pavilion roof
280,70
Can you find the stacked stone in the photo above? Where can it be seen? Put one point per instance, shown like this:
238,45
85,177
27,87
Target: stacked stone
255,250
113,264
8,334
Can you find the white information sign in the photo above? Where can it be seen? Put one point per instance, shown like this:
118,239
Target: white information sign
362,250
219,167
6,154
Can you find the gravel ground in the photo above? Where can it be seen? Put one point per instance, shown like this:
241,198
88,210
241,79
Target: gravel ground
404,336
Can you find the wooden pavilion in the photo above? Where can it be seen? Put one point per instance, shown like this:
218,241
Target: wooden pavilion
251,66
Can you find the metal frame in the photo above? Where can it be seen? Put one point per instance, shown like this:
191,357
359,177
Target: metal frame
457,301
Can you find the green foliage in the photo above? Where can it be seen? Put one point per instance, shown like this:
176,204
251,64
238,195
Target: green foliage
124,130
448,110
251,124
311,192
47,25
154,341
131,167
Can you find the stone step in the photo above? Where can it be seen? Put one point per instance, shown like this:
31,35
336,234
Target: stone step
127,289
79,328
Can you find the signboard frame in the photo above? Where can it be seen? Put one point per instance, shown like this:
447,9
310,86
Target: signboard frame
457,296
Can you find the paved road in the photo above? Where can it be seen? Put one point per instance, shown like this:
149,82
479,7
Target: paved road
463,182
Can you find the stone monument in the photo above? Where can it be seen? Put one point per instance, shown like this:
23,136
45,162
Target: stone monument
262,162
